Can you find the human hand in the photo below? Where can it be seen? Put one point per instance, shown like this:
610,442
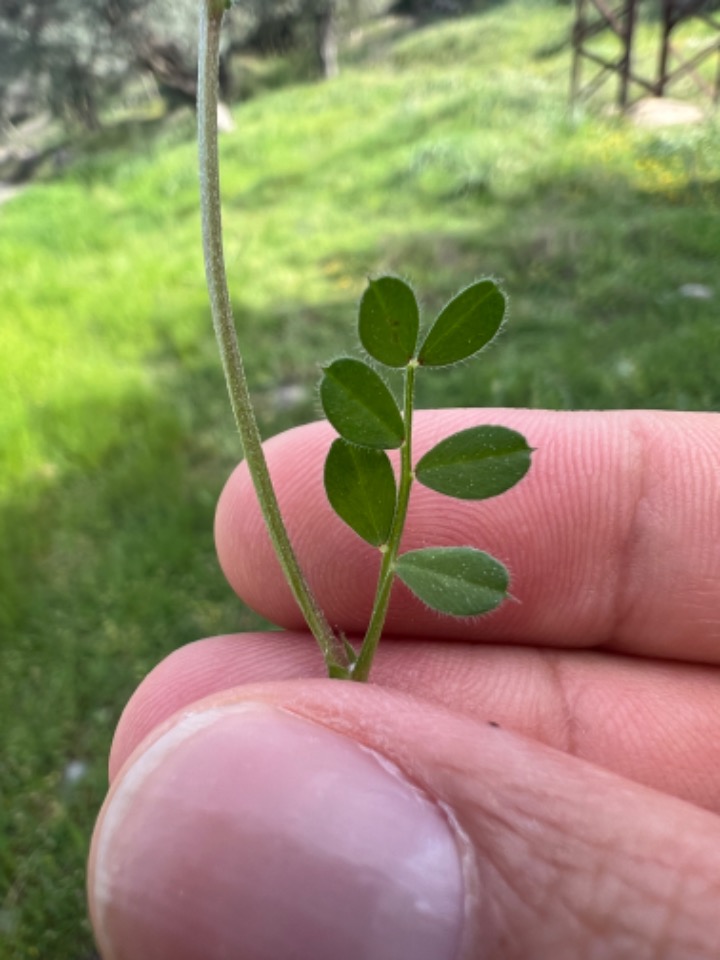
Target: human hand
258,815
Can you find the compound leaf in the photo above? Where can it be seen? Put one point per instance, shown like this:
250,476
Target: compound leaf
389,321
359,405
460,581
475,464
465,325
360,485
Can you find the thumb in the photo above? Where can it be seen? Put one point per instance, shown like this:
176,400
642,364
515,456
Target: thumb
323,820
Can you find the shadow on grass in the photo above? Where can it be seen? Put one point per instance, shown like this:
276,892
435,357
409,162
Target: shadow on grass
107,565
105,568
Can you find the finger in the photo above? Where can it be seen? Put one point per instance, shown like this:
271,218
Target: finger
317,820
611,539
653,722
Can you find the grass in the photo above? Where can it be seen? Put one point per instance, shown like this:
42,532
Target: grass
452,156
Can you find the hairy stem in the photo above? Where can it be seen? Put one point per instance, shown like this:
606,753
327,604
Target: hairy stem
361,670
211,16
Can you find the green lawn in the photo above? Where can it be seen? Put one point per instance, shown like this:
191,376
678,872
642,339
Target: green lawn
442,154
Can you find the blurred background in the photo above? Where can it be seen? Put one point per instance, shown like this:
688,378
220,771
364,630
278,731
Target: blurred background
431,138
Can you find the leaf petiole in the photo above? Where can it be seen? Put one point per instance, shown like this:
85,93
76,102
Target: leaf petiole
389,551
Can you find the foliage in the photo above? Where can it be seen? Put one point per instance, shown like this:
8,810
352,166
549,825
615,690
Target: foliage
434,9
453,149
314,25
473,464
69,56
60,51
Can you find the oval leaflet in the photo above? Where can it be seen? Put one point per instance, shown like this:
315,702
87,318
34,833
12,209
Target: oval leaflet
465,325
389,321
460,581
476,463
360,485
358,403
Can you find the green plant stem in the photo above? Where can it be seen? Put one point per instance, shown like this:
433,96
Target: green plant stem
211,16
361,670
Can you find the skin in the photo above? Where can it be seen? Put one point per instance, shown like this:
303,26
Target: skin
574,735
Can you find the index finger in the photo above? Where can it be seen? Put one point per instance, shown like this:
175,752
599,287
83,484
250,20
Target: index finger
612,539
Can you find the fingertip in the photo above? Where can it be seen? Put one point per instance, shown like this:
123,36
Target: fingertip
356,822
244,830
206,667
610,539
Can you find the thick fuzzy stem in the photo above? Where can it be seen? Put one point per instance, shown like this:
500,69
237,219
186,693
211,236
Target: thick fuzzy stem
211,16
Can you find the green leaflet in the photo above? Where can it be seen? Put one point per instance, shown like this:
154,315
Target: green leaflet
460,581
359,405
475,464
465,325
360,485
389,321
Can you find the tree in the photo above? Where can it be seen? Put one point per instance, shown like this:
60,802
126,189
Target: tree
64,54
69,55
288,24
432,9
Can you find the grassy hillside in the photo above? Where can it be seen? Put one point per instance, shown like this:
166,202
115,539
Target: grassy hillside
443,154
